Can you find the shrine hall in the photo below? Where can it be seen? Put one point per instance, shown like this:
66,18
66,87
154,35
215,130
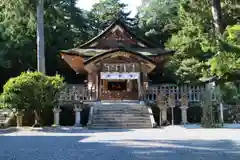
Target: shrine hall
123,73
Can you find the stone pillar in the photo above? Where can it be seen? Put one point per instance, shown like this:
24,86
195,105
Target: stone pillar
19,116
161,103
164,114
56,112
184,114
78,109
172,103
184,107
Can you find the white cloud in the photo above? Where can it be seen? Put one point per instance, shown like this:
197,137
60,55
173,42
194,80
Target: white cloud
132,4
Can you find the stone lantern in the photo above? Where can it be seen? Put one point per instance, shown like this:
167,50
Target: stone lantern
184,107
56,112
78,108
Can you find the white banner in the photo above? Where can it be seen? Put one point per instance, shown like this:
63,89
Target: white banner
118,75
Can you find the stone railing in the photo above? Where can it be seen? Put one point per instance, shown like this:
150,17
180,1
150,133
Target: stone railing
78,92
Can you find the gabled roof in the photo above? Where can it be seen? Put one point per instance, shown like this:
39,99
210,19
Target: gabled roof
121,24
116,50
94,52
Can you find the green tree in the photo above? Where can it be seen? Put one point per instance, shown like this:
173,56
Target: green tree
158,19
226,63
106,11
193,42
18,32
32,91
197,38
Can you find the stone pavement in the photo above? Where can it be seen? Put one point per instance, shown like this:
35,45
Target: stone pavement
171,143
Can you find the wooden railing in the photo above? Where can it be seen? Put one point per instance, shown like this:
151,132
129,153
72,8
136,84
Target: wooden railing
194,92
76,92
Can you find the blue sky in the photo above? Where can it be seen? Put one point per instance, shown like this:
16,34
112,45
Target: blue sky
132,4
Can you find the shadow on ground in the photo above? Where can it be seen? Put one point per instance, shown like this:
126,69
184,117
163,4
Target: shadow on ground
80,130
61,130
198,126
79,148
9,130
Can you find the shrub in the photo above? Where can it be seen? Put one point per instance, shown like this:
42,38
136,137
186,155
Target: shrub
32,91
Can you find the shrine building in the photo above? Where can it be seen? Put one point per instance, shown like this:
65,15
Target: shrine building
122,73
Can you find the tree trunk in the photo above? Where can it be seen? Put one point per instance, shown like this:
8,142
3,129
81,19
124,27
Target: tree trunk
217,17
40,37
208,120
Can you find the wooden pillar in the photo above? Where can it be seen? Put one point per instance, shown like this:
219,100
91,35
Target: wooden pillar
90,85
97,85
145,83
140,83
139,87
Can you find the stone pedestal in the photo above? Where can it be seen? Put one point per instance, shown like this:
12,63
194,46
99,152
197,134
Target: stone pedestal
19,116
77,110
164,114
184,107
161,103
56,112
171,104
142,102
184,114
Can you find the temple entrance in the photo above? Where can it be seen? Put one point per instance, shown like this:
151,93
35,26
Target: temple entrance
119,89
117,85
118,75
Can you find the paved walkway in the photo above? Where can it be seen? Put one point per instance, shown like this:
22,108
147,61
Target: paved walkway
171,143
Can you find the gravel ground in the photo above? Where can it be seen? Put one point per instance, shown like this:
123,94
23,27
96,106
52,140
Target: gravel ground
171,143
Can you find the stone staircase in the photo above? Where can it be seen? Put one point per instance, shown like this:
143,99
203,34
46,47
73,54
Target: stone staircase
5,116
120,115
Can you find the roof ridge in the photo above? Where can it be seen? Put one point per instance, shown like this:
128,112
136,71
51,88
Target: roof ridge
116,50
126,28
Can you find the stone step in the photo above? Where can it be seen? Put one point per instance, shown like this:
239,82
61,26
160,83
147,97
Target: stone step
135,126
122,110
121,118
119,109
121,113
121,106
123,124
2,118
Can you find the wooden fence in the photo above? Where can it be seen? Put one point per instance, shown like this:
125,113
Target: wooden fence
78,92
